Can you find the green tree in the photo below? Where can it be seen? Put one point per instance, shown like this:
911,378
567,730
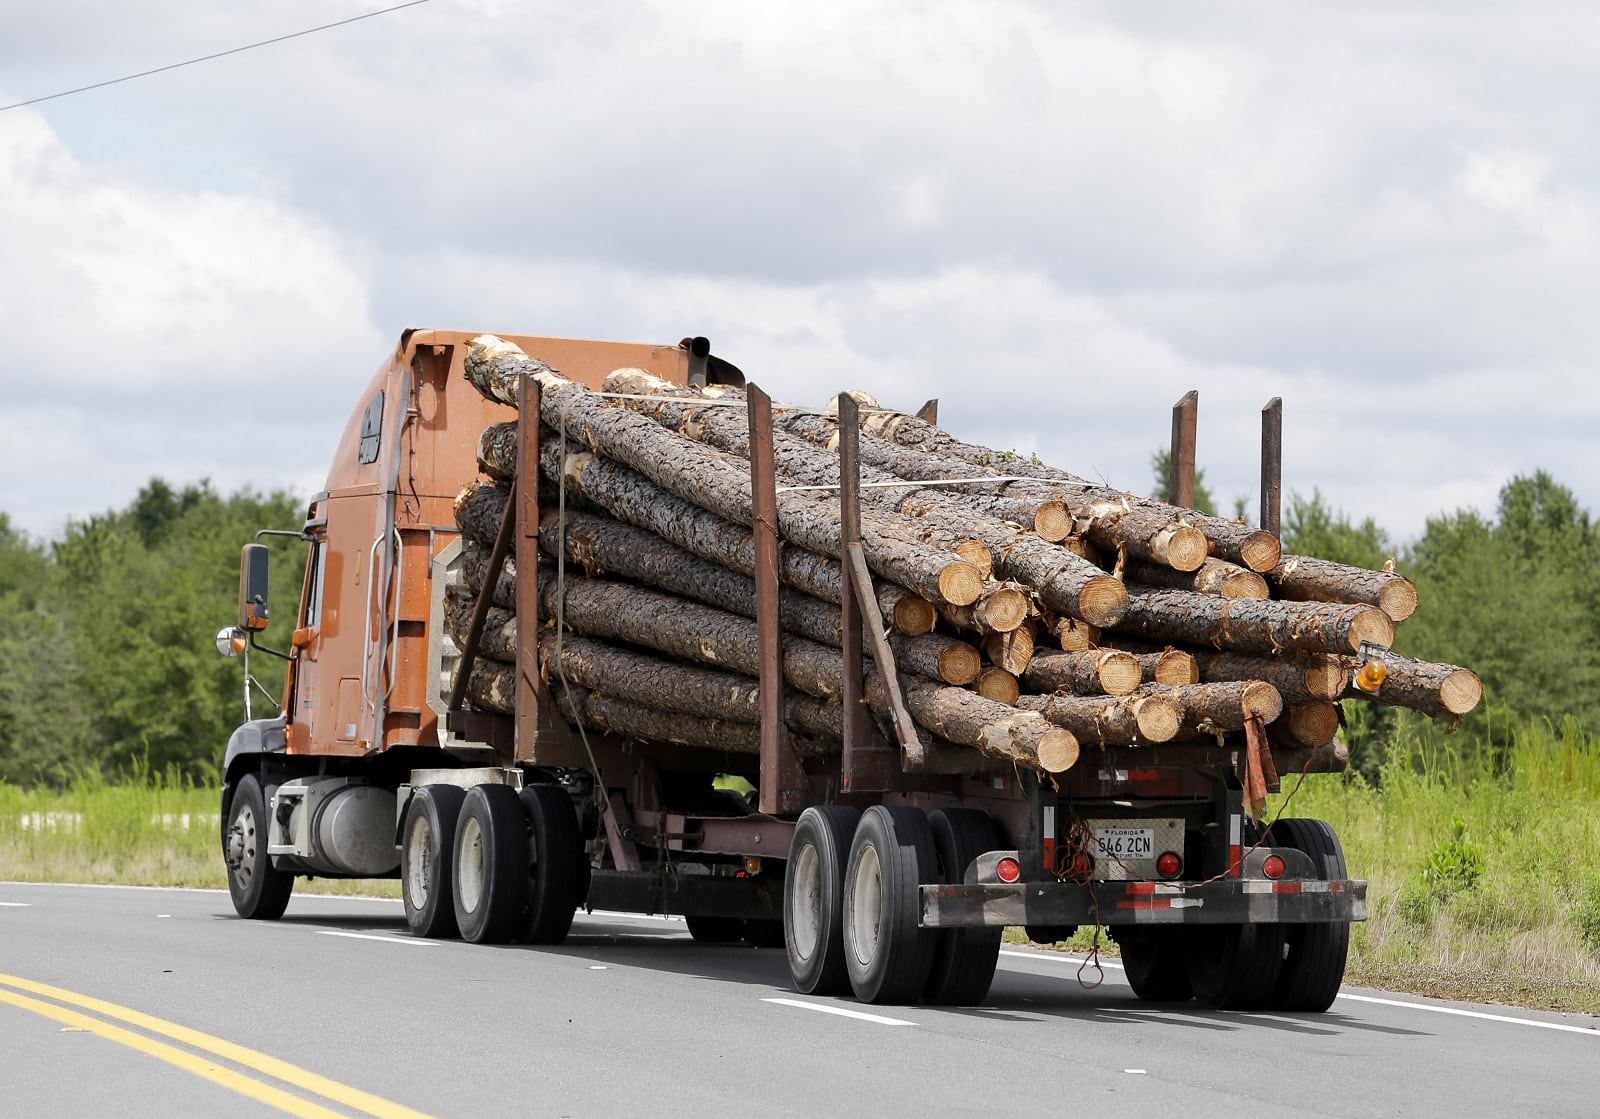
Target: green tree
1312,528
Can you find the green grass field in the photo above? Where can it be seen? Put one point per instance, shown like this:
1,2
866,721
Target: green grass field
1484,873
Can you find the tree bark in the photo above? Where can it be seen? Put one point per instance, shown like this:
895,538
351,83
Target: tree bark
1214,576
996,729
618,717
1298,679
1211,709
1061,578
1440,691
1110,720
1093,672
1249,625
711,479
1308,579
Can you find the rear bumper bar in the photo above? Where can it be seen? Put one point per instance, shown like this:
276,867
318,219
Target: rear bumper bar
1230,901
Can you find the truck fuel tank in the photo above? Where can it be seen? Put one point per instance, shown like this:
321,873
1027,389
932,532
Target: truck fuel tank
335,825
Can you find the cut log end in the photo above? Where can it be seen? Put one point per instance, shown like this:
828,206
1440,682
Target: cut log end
1158,717
1262,699
1260,551
1119,672
961,583
1103,601
914,616
1005,609
1244,584
1182,548
1327,677
1398,598
1011,651
1461,691
1370,624
1052,522
978,555
1176,668
999,685
959,663
1074,636
1058,750
1312,724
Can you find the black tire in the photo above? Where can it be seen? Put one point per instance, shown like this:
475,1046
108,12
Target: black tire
963,959
886,954
764,934
1155,962
260,891
813,899
715,930
489,865
1234,967
558,865
427,839
1313,965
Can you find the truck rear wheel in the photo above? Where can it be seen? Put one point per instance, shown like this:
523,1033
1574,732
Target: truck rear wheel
558,867
886,953
1313,965
1155,962
489,879
1234,967
427,837
963,959
813,899
260,891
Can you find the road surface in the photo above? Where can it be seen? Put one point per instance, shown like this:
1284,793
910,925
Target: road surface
139,1002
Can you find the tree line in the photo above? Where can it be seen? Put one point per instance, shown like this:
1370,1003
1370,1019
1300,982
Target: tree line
107,661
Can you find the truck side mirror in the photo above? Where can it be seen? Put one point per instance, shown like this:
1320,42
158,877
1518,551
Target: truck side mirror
253,613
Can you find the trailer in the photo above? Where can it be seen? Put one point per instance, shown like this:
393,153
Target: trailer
888,872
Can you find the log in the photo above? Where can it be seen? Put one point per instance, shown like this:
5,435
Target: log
1214,576
1312,724
1072,635
1250,625
999,685
941,454
1061,578
1011,651
712,479
1440,691
1093,672
937,657
977,553
1298,679
633,499
1172,667
1002,608
1211,709
1308,579
1110,720
1000,731
623,719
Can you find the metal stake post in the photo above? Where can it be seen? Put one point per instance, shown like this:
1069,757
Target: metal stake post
1181,479
1272,465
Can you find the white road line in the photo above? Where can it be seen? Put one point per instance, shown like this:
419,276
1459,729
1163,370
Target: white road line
188,890
1590,1031
1060,958
413,941
16,904
843,1012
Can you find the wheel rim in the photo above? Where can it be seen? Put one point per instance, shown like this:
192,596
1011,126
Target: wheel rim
470,870
242,846
805,903
866,903
419,863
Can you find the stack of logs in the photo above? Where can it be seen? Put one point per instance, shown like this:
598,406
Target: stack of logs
1032,613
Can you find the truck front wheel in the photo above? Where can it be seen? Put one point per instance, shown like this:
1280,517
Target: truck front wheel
260,891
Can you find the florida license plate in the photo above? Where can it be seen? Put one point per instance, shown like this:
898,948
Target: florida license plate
1123,844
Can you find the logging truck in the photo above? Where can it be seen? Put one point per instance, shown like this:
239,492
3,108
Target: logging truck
884,861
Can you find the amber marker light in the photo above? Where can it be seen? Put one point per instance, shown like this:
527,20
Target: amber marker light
1370,676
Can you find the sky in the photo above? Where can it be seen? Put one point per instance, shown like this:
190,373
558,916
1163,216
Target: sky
1056,217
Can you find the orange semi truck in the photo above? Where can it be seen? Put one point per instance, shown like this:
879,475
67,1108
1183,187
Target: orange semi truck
893,885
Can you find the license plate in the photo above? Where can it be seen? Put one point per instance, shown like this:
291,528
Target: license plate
1123,844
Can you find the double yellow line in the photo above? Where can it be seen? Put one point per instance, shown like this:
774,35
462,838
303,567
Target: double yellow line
310,1082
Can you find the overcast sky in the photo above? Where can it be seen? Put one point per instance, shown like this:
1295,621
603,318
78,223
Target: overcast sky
1056,217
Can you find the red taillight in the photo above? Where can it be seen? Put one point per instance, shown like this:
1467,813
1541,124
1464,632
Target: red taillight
1169,865
1008,869
1273,866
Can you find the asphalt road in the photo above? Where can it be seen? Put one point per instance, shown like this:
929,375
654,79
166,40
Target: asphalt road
341,1012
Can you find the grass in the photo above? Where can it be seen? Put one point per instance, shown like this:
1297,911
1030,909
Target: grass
1484,866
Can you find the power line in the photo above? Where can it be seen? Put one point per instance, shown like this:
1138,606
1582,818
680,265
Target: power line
209,57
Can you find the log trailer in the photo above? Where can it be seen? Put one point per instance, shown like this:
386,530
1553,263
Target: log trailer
888,871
